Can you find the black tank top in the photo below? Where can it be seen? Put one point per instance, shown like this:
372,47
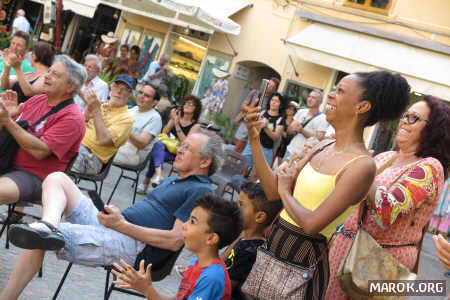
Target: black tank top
184,129
20,95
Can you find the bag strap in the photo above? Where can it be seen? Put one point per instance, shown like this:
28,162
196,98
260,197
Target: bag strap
54,110
310,119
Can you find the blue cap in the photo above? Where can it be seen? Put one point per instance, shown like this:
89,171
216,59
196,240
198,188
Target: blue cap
126,79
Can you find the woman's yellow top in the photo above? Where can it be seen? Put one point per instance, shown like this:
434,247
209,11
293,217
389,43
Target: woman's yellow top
312,188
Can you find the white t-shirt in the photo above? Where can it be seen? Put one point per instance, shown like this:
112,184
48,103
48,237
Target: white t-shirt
150,122
100,89
319,123
21,23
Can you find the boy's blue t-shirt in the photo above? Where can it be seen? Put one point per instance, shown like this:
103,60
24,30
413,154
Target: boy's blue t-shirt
207,283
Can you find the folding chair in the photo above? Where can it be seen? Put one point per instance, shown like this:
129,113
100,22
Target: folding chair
93,177
158,273
234,165
136,169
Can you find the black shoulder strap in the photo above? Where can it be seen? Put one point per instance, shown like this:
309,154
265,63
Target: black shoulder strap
54,110
310,119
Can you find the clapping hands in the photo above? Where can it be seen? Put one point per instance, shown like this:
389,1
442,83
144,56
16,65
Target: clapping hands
9,106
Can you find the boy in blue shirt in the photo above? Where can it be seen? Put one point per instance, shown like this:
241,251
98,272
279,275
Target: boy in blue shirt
213,224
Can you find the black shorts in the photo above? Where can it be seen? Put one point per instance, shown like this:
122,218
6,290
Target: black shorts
29,185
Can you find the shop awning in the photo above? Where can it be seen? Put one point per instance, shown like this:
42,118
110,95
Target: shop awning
207,16
349,51
80,7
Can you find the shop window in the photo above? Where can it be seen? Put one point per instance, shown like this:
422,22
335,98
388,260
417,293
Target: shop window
382,6
214,59
297,92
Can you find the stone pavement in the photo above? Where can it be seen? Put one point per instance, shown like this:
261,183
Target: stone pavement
85,283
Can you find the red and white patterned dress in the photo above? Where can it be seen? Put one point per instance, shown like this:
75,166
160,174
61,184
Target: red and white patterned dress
405,199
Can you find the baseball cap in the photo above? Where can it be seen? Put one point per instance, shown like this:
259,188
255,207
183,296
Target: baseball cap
126,79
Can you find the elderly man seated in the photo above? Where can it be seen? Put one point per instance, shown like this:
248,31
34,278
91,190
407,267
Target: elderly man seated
49,145
109,126
147,126
149,229
93,66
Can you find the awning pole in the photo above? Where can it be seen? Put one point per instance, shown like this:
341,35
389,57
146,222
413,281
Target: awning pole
293,65
235,53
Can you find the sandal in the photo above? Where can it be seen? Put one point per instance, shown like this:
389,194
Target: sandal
27,237
15,218
142,189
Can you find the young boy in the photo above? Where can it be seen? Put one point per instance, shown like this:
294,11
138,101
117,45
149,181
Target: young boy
257,213
213,224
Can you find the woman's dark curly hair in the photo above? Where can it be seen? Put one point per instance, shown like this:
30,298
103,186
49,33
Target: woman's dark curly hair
198,106
435,136
387,93
283,102
44,53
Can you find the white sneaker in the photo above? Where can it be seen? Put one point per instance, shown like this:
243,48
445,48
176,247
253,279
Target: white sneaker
156,180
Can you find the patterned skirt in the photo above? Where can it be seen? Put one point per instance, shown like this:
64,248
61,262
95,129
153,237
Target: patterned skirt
289,242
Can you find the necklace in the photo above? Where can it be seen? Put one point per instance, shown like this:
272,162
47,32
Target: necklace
327,155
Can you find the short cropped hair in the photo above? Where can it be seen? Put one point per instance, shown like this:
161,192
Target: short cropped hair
276,81
76,73
124,46
224,218
213,149
44,53
319,93
96,58
157,96
23,35
256,195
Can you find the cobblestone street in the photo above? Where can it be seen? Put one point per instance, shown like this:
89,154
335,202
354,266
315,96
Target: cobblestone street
88,283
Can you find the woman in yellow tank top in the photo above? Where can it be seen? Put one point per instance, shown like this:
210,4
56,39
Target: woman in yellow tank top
321,190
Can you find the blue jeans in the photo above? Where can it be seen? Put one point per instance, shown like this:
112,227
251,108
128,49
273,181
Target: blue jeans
268,155
157,158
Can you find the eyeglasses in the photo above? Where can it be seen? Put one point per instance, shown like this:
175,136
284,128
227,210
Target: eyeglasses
186,147
145,95
191,103
412,118
121,89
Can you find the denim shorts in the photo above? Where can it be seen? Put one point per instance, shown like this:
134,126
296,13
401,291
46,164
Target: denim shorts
92,244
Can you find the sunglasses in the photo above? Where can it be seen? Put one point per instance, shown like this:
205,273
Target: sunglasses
412,118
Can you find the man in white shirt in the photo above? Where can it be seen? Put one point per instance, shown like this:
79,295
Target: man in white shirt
146,128
157,73
20,23
308,122
93,66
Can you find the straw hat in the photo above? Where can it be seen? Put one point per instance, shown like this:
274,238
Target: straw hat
220,72
109,38
295,104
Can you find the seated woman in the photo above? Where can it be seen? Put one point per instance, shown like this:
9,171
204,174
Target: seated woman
182,123
321,190
27,85
272,127
406,191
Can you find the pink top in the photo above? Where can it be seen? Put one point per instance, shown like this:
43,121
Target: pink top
62,132
404,201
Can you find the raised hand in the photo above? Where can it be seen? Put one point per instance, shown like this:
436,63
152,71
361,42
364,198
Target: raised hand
5,57
15,60
9,106
129,278
253,119
92,102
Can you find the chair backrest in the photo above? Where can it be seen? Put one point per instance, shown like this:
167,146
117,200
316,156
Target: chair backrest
95,177
234,163
160,273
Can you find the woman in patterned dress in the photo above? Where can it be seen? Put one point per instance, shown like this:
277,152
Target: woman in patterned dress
405,194
216,94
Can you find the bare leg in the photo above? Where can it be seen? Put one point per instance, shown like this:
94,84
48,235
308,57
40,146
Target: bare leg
9,192
158,171
59,194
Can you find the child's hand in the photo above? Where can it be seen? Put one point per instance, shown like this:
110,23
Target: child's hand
129,278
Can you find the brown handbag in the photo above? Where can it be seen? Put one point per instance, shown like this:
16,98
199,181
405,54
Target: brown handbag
367,260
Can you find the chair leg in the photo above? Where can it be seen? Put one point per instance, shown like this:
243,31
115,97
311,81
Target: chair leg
11,208
62,281
40,272
135,185
115,186
108,288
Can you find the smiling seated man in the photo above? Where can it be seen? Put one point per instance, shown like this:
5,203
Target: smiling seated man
109,126
151,229
48,146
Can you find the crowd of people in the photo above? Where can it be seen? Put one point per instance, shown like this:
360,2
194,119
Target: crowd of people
308,189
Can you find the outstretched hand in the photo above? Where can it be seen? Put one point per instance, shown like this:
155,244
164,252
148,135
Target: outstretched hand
252,119
129,278
443,250
9,106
